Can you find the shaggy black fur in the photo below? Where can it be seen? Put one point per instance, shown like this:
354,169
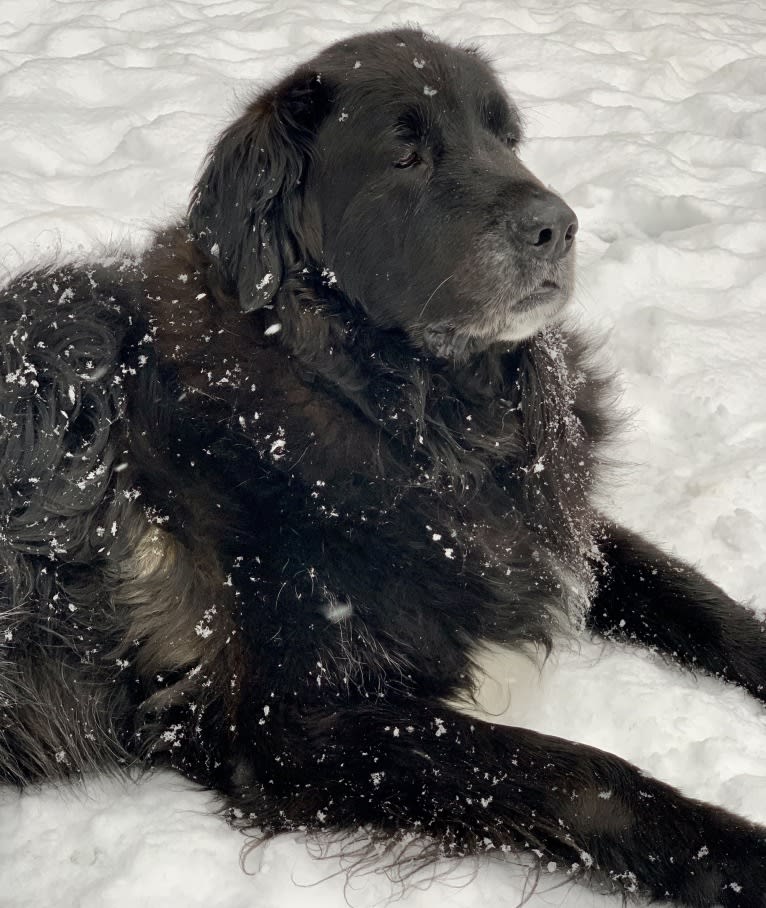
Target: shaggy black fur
268,492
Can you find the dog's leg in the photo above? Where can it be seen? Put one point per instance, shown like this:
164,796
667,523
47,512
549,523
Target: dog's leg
419,768
651,598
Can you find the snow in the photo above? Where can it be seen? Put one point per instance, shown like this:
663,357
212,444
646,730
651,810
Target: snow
651,122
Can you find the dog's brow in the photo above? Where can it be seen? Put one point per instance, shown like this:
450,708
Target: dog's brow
498,115
413,122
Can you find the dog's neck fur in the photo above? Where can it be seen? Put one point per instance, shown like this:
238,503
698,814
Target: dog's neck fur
508,404
528,412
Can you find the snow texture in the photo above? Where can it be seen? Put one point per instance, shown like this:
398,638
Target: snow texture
651,122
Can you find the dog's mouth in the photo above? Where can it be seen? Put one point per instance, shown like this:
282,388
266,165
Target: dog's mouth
545,292
511,320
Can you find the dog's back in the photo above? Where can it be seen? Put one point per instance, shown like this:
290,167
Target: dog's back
270,492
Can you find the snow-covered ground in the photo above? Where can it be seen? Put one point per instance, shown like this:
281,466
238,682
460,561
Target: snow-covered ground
652,123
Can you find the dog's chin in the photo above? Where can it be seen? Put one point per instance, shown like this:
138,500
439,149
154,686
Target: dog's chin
516,322
530,315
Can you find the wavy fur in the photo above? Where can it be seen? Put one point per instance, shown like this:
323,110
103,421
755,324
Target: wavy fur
266,493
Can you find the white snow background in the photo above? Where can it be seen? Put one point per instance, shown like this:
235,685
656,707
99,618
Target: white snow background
651,123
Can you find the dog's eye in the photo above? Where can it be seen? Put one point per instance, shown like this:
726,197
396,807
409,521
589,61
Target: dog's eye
511,141
411,159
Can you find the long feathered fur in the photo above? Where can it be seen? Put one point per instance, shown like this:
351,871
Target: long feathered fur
255,524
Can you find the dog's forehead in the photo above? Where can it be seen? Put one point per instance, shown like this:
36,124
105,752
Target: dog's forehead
386,70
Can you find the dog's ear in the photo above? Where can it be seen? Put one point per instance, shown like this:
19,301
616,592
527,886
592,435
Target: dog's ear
246,211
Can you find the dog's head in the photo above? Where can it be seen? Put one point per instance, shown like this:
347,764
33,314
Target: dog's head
390,160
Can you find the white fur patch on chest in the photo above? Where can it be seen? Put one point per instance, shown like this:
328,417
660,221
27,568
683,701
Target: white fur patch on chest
502,685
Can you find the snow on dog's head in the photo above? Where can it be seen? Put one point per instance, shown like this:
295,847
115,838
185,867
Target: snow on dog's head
391,161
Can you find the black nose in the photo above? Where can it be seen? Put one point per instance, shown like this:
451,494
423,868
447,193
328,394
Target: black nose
547,226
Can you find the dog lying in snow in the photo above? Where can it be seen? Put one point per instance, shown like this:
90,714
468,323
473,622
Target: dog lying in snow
269,495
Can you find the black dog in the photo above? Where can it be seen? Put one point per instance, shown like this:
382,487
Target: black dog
268,494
